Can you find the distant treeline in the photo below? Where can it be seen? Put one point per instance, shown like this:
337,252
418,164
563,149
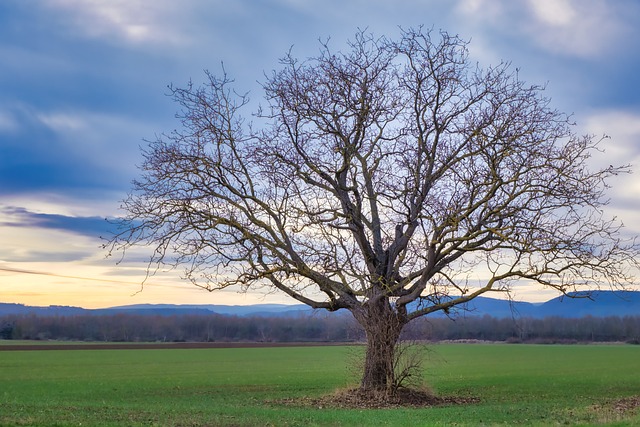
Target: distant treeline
321,328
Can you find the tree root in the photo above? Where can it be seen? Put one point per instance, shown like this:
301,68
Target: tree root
358,399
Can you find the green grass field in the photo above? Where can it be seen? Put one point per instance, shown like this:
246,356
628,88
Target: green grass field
516,385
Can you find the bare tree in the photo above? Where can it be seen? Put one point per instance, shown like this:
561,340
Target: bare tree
393,179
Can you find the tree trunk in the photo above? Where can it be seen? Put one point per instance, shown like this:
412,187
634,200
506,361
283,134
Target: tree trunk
382,326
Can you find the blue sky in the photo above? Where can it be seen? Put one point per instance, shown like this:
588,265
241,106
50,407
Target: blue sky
83,82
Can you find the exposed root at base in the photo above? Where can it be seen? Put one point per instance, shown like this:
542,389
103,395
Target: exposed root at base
357,399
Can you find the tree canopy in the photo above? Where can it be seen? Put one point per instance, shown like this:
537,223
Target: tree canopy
394,178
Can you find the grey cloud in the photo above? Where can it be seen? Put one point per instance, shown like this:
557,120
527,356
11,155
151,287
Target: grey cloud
46,256
87,226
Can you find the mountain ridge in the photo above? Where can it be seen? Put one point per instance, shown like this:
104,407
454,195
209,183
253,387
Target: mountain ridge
598,304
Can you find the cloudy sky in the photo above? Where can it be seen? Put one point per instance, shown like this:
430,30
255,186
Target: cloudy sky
83,83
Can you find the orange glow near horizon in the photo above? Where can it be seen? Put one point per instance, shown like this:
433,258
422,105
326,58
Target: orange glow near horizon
40,288
90,288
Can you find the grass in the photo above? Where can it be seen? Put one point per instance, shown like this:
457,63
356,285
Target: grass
517,385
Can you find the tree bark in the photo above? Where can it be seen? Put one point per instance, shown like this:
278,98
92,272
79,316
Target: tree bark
382,325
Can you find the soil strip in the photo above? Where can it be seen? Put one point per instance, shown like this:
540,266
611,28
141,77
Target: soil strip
157,346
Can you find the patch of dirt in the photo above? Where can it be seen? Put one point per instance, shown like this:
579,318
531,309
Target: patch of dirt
155,346
627,404
356,399
624,406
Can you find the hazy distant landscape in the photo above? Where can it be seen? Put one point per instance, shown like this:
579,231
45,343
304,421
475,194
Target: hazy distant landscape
600,304
608,317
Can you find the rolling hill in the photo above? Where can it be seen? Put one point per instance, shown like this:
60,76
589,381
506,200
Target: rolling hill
601,304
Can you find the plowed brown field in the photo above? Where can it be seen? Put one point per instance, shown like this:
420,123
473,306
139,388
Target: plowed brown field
155,346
